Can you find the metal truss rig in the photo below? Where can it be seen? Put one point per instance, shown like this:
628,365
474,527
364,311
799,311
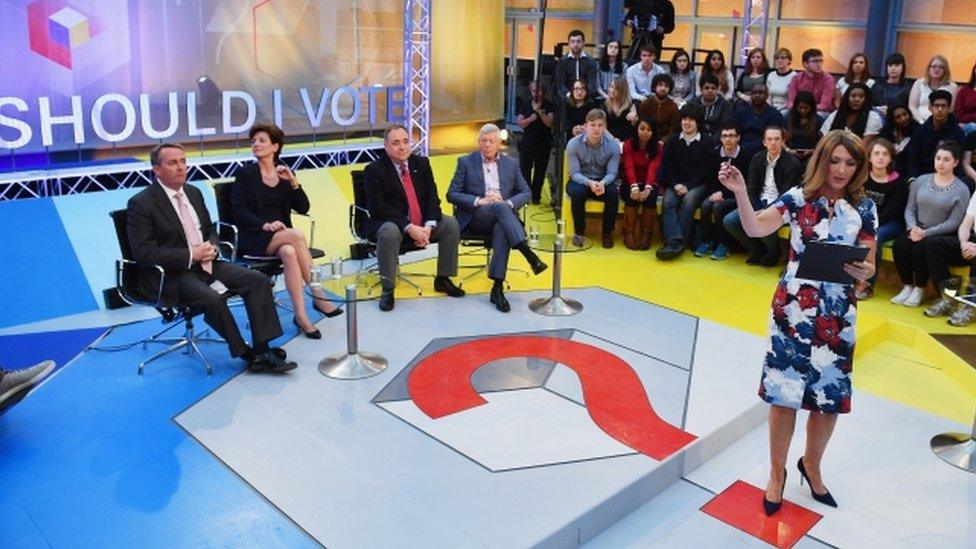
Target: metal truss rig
755,15
36,184
416,72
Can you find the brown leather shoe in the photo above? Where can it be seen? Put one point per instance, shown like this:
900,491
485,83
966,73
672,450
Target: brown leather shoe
608,241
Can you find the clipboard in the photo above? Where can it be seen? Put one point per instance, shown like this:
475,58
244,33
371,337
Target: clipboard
824,261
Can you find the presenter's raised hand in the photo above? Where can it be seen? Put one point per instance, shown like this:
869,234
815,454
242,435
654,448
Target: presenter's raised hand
285,174
731,178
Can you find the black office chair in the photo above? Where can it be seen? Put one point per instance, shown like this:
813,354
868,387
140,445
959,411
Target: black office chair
128,273
362,247
226,228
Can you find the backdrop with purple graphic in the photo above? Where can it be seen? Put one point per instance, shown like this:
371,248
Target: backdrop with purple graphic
83,78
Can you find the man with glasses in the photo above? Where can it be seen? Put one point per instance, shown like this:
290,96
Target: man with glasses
814,80
941,126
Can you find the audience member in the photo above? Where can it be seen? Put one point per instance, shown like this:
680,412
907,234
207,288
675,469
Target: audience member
966,104
936,206
535,119
649,20
684,77
889,190
575,65
169,225
640,76
778,80
263,196
894,88
611,66
899,127
959,251
753,118
937,77
803,126
15,381
488,190
402,199
969,157
719,201
574,111
855,114
717,110
814,80
715,65
594,161
683,180
621,111
641,159
858,70
941,126
660,108
771,173
757,67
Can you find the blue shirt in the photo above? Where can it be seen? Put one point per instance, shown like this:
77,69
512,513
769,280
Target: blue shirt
593,163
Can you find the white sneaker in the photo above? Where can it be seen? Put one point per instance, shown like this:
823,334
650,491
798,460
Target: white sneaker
914,299
902,295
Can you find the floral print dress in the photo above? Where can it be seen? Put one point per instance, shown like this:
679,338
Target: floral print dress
811,323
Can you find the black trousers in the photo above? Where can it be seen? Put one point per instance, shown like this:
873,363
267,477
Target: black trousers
193,289
533,161
941,252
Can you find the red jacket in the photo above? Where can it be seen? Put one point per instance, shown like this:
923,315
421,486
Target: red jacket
637,168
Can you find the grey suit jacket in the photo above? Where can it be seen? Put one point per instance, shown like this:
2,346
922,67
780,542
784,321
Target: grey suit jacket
468,184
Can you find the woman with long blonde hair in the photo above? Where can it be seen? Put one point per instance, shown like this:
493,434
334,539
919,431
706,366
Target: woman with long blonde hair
812,323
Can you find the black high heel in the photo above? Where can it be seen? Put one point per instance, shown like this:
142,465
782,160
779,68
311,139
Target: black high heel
826,498
335,312
770,507
314,334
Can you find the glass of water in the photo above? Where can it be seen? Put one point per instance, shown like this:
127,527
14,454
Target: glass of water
336,267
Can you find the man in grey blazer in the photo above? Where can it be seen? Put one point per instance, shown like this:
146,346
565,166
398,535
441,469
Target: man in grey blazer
488,188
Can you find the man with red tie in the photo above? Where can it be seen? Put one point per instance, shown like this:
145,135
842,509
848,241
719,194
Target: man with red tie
169,225
402,200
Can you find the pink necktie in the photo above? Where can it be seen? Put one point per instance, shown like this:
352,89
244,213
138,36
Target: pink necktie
192,232
413,206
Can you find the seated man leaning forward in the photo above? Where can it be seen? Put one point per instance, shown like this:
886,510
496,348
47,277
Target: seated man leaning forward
594,158
169,225
402,200
488,189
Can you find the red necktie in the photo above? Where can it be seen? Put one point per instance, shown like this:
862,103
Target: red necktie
413,206
193,235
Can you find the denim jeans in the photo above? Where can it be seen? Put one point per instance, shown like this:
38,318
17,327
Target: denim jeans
679,212
886,232
733,225
712,220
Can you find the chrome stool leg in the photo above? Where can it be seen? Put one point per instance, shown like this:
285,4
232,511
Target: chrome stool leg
957,449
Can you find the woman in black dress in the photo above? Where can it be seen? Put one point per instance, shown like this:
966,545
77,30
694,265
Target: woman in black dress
263,197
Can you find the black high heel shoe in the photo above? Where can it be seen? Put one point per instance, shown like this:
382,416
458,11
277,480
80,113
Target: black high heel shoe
335,312
770,507
314,334
826,498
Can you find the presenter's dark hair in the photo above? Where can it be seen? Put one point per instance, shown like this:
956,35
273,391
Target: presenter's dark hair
818,167
274,134
158,150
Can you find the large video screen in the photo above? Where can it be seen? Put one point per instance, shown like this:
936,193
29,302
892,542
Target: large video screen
97,74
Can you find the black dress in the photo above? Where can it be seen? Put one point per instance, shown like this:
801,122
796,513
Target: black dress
256,204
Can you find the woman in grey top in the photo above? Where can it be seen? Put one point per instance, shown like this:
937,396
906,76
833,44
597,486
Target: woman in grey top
683,74
936,206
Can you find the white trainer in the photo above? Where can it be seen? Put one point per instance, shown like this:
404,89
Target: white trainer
914,299
899,299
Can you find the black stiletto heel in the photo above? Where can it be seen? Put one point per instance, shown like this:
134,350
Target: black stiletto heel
335,312
770,507
314,334
826,498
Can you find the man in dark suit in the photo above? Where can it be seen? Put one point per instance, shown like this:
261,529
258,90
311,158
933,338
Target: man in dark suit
402,200
488,189
169,225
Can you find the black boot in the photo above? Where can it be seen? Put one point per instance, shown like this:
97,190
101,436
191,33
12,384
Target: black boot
535,263
497,297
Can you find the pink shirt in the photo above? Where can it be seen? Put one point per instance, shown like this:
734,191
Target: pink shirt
821,86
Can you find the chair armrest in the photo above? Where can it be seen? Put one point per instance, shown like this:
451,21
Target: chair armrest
121,267
228,234
353,209
311,228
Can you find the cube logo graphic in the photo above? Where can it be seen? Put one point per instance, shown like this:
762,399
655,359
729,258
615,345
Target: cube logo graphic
56,28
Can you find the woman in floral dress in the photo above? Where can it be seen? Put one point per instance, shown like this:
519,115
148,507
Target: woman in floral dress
809,361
